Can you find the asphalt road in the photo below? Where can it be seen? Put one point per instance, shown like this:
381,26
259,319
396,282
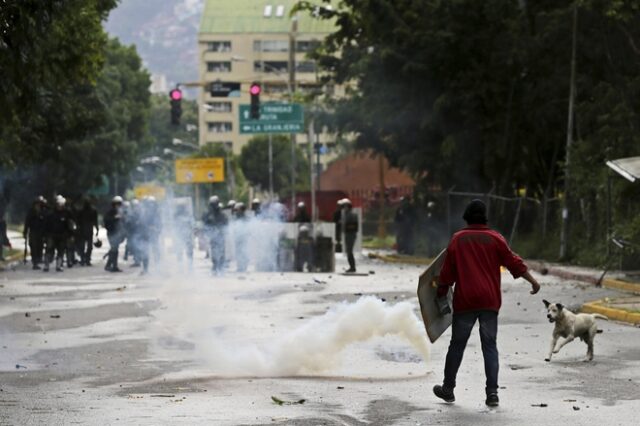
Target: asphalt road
89,347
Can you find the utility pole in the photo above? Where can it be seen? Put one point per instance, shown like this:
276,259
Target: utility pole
292,89
318,148
564,231
311,136
270,167
382,228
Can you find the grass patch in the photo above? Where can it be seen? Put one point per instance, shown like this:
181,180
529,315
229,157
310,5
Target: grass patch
375,243
11,253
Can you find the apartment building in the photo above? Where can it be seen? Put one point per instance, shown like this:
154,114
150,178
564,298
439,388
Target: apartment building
244,41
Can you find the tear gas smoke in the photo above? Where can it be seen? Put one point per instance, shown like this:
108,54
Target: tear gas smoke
195,312
317,345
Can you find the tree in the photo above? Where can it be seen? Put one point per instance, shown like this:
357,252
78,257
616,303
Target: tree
254,160
163,132
46,46
474,94
87,131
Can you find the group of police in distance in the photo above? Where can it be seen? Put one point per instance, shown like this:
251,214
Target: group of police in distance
66,232
216,226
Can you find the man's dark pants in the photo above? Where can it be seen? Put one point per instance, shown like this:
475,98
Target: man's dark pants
350,241
114,245
36,244
461,330
85,247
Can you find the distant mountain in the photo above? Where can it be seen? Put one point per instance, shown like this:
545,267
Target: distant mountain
165,33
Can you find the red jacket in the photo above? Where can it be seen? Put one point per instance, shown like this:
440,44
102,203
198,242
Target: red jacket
472,262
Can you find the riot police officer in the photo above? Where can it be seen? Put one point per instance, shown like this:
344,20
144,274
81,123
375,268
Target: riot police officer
301,214
115,233
34,227
241,237
215,222
87,222
183,234
58,228
337,221
351,228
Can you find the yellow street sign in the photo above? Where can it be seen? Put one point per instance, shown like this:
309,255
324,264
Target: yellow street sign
200,170
142,191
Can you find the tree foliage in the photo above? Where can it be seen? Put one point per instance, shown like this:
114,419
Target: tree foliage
161,130
254,160
475,93
87,131
77,103
47,46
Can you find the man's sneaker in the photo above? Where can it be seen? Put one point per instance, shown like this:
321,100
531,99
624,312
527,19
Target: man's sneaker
444,394
492,400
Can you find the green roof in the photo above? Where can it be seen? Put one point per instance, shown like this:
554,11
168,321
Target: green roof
247,16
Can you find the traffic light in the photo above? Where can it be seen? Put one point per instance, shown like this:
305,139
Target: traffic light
255,91
176,105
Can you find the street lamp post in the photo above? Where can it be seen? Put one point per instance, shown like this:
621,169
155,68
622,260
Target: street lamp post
196,187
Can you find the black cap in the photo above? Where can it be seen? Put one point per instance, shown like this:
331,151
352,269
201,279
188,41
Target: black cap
475,213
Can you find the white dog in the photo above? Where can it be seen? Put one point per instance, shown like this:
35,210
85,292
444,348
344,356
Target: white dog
570,326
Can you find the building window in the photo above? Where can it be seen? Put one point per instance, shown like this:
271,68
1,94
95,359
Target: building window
220,127
271,46
271,66
306,67
219,46
307,45
219,66
274,89
219,107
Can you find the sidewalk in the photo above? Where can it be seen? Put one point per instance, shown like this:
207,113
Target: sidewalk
624,308
17,243
614,279
393,257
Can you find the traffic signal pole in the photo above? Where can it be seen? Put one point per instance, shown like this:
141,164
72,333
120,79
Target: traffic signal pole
292,89
270,167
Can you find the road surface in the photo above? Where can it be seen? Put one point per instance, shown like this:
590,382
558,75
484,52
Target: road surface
90,347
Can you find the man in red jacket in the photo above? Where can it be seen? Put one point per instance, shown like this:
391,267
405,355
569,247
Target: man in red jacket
473,260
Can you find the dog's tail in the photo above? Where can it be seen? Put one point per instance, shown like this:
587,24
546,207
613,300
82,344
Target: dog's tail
600,316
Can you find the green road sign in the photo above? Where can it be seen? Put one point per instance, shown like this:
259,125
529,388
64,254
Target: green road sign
274,118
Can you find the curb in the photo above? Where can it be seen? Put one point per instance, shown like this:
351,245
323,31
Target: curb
621,285
409,260
611,313
10,262
607,282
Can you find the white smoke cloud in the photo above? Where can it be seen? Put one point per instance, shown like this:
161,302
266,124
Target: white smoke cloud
316,346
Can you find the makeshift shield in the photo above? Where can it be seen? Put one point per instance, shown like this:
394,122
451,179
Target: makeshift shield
434,322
